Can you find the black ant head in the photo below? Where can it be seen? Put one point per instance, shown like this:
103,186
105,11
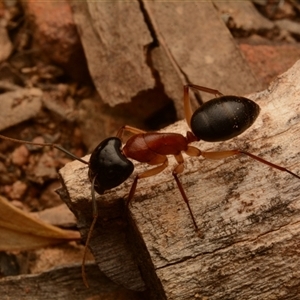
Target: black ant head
108,165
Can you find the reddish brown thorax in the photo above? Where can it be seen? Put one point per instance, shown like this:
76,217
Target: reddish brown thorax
144,147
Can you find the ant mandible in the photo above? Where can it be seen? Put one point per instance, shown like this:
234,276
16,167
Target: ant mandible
219,119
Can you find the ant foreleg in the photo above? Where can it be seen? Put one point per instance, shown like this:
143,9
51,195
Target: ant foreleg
145,174
228,153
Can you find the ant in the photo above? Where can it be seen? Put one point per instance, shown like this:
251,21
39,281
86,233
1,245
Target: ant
219,119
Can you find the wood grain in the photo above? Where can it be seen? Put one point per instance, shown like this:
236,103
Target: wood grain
248,213
60,283
133,47
114,37
200,48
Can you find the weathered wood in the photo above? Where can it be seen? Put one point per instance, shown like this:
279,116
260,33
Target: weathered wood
109,243
133,47
19,105
243,16
247,212
114,37
63,283
200,48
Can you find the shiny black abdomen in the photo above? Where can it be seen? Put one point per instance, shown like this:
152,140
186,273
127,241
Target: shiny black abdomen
223,118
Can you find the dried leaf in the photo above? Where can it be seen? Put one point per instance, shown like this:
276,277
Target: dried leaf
20,231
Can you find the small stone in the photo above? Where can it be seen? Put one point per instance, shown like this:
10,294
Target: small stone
5,44
290,26
17,190
20,156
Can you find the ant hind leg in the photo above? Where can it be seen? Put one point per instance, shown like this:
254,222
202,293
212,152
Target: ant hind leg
228,153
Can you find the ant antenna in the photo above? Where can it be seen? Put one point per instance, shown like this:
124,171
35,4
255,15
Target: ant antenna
95,217
58,147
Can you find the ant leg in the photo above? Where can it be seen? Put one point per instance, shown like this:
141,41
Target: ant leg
187,102
128,128
187,105
177,170
58,147
145,174
205,89
224,154
193,151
